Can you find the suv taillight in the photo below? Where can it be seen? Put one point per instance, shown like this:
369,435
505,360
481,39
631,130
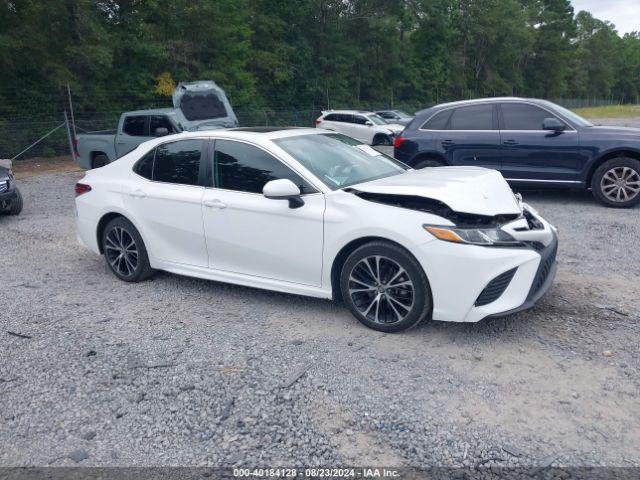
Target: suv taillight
82,188
318,121
398,141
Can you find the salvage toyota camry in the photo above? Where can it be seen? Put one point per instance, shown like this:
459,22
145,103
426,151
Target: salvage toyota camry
313,212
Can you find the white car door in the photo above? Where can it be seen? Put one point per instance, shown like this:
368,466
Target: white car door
360,130
250,234
165,201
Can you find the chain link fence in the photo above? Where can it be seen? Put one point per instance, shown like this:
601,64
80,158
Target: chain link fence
20,131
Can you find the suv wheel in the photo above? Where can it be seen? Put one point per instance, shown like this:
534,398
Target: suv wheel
99,161
428,162
16,203
616,183
385,287
125,252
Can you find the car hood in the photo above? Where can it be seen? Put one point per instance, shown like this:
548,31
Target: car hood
475,190
394,127
613,130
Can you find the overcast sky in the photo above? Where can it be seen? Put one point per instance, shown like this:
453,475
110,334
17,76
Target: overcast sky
624,14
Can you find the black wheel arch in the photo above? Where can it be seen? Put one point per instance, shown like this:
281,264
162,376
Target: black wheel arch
635,154
420,156
102,224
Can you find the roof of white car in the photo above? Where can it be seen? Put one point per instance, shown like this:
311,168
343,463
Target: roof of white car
255,134
360,112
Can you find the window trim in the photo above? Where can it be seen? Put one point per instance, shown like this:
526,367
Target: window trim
211,161
201,170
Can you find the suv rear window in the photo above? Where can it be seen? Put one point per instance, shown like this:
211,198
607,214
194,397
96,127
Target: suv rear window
438,121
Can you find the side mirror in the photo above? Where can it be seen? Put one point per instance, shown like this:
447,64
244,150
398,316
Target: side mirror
368,123
283,189
553,124
161,132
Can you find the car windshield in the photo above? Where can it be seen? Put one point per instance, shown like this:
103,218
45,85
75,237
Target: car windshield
571,116
339,161
376,119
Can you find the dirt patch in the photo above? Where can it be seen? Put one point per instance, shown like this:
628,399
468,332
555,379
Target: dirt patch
39,165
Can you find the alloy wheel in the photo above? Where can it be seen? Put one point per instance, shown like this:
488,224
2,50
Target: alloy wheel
121,251
620,184
381,289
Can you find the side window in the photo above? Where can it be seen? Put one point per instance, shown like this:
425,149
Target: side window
438,121
245,168
474,117
135,126
387,115
144,166
359,119
521,116
332,117
178,162
160,121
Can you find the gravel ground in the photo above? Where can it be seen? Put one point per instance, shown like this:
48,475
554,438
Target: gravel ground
179,371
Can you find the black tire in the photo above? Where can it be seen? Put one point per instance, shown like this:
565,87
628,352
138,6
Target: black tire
99,161
428,162
125,267
604,184
381,139
389,315
16,203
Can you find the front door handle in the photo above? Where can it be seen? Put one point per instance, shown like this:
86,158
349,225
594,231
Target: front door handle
137,194
509,142
215,203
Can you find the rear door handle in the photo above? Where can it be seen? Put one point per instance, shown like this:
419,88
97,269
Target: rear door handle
137,194
215,203
509,142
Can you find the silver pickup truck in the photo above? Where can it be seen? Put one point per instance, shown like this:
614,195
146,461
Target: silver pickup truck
196,106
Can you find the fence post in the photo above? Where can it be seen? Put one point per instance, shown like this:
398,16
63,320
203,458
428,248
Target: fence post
69,137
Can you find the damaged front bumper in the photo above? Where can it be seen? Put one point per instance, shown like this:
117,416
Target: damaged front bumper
470,283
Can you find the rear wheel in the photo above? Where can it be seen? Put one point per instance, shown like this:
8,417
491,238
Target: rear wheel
125,252
385,287
428,162
616,183
16,203
99,161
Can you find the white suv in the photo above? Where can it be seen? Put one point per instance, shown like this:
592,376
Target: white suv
367,127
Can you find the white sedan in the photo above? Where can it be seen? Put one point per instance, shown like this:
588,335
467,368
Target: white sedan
313,212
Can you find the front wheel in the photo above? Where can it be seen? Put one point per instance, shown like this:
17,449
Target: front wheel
616,183
385,287
125,252
16,203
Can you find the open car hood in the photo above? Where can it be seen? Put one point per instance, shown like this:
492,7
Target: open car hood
203,103
474,190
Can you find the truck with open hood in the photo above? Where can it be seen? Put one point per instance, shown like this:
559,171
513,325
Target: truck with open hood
201,105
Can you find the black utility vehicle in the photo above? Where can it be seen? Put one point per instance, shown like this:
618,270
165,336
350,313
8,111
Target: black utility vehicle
10,197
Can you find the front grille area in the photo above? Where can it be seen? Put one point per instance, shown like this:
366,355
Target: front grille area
495,288
4,186
546,263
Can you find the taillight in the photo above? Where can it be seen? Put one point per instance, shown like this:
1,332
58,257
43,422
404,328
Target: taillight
82,188
318,121
398,141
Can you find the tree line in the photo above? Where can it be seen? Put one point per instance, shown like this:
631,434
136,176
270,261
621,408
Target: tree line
123,54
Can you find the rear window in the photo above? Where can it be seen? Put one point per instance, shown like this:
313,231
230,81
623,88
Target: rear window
135,126
438,121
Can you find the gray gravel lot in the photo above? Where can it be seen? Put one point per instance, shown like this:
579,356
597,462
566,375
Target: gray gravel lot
179,371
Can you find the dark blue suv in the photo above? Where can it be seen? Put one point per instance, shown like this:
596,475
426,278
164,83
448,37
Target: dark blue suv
531,142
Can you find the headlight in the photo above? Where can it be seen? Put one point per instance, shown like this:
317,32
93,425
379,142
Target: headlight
472,236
